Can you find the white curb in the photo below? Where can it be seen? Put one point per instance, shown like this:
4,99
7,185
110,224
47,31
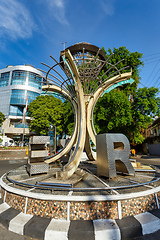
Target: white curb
57,229
17,224
106,229
4,207
149,222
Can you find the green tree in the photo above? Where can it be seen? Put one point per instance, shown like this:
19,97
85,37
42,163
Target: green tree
68,118
144,109
2,118
126,110
115,112
130,59
46,110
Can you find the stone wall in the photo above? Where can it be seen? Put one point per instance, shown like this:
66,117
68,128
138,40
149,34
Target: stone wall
87,210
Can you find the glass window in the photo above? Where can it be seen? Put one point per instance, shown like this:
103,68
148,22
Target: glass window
20,125
32,96
19,97
19,77
16,110
34,80
4,79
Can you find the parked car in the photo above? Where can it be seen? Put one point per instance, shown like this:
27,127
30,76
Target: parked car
7,142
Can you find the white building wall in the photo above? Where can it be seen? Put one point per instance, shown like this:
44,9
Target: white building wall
5,96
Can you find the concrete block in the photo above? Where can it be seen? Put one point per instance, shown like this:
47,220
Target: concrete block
38,153
57,229
130,227
17,224
149,222
39,140
106,229
4,207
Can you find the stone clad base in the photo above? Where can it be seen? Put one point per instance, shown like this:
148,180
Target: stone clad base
83,210
67,215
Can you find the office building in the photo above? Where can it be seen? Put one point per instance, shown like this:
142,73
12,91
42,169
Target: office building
16,83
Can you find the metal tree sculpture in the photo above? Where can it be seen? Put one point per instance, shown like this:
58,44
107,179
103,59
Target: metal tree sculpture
82,64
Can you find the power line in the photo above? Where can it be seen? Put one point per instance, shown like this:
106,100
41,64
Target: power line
150,58
157,81
142,84
152,71
151,62
156,74
151,54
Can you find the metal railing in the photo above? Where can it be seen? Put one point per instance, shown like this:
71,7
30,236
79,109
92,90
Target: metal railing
70,187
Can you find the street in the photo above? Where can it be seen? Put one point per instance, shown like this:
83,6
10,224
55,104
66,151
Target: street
6,165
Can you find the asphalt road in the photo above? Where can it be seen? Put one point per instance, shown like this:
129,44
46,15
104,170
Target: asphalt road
7,235
6,165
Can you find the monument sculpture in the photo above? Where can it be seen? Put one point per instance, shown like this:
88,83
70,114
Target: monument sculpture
113,154
103,189
82,64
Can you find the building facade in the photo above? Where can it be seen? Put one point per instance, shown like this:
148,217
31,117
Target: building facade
17,84
153,138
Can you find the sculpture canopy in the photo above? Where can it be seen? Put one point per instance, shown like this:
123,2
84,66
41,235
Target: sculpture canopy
82,64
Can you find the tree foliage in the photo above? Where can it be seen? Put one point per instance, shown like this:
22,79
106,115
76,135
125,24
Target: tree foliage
147,102
2,118
130,60
46,110
68,118
113,113
127,110
116,113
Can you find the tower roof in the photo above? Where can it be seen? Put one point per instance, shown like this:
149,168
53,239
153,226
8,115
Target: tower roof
78,47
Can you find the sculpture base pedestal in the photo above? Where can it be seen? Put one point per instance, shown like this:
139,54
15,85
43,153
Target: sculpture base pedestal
87,199
36,168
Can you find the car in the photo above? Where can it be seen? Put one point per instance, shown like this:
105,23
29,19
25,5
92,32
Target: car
7,142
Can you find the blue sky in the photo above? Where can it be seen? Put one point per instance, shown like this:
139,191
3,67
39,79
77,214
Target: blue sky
31,30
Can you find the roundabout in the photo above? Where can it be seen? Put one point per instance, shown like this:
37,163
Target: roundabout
83,197
106,196
86,204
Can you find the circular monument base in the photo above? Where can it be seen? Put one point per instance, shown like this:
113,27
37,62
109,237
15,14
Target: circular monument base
85,196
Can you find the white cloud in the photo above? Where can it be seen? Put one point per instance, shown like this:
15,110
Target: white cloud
15,19
108,7
57,9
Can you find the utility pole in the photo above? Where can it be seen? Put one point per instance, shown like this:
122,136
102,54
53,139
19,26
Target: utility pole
24,120
64,45
55,139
